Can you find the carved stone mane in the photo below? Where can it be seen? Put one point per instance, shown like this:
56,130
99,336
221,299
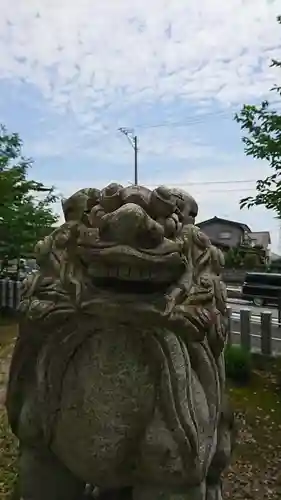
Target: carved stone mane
117,246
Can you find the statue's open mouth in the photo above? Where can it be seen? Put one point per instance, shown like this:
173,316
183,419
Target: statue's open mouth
127,269
134,286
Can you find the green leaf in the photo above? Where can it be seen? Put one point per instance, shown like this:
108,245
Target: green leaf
262,141
25,205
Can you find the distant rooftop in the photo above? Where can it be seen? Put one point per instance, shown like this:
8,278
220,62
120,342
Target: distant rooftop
227,221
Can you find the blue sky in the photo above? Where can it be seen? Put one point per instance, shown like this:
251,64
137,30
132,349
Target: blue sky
174,70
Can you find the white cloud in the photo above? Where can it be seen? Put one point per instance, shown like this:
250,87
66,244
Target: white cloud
84,54
103,59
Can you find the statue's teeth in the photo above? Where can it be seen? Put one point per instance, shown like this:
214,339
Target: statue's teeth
143,274
99,271
124,271
112,272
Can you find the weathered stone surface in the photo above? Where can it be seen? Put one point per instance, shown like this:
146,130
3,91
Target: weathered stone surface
117,378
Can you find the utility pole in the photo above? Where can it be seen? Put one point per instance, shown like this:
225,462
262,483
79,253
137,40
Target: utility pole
133,140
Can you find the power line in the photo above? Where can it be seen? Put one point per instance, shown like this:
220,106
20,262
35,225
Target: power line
203,183
249,190
192,121
133,139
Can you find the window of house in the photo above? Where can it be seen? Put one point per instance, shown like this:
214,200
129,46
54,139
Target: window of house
225,235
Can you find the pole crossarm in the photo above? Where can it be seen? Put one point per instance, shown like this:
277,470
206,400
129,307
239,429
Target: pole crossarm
133,140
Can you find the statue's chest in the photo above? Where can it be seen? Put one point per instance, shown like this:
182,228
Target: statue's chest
108,398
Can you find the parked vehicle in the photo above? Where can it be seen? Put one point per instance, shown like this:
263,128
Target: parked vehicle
262,288
17,269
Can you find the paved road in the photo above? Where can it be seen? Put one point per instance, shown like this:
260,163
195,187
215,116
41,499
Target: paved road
238,304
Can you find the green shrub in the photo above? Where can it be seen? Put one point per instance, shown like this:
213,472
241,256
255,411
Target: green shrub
238,364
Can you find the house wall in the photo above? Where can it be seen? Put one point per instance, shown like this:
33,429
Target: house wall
215,229
260,238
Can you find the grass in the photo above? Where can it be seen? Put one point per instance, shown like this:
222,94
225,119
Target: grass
255,471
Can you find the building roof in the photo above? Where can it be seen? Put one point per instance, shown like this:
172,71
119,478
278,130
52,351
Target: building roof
244,227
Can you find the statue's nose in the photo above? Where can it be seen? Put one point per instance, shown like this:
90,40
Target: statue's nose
131,225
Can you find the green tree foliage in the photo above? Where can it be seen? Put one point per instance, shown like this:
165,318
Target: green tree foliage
245,257
25,205
238,364
263,141
233,258
251,261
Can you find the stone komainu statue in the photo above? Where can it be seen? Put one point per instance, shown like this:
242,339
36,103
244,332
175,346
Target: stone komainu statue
117,378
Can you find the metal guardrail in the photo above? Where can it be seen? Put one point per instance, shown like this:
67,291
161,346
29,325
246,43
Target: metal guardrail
10,293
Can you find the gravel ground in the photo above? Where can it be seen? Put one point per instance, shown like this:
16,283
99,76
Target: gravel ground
255,472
